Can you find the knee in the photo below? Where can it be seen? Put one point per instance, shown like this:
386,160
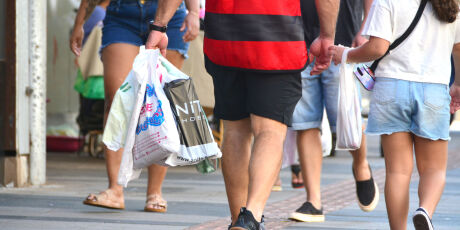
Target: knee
439,174
402,172
237,130
271,134
238,137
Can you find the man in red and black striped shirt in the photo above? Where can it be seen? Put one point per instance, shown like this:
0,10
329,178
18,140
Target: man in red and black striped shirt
255,51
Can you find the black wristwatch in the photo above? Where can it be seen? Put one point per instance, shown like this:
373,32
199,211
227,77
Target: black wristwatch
157,28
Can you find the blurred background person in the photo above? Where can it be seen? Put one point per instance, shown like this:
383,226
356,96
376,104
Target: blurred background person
320,92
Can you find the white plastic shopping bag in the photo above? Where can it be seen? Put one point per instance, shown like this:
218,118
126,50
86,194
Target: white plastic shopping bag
349,121
156,136
141,120
120,113
326,136
196,138
290,151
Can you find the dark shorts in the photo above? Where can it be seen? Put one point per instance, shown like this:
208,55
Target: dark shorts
241,93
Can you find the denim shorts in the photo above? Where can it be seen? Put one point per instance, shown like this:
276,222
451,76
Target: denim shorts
127,21
406,106
318,92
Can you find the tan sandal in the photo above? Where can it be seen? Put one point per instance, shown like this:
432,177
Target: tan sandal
156,203
102,200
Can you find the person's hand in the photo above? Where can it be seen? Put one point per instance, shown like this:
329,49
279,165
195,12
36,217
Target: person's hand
158,40
319,52
358,41
455,95
336,53
76,39
192,26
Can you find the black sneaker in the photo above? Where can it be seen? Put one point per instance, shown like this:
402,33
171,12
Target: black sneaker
246,221
307,213
367,192
422,220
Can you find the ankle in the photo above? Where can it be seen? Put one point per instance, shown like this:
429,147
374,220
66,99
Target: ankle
116,190
362,171
316,204
256,213
151,192
427,210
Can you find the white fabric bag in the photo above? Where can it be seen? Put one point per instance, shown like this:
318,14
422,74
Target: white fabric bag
349,121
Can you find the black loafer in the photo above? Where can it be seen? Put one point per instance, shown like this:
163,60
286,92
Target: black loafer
367,192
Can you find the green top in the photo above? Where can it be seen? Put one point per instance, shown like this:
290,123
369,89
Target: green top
92,87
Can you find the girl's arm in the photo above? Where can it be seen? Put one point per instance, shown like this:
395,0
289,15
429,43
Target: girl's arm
455,88
76,37
372,50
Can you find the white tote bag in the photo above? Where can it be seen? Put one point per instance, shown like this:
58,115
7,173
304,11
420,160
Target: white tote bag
349,121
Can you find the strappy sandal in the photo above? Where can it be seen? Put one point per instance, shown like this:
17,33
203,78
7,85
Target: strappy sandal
102,200
156,203
295,169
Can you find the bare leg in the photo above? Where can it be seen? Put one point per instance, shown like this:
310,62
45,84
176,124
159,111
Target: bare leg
157,173
117,60
265,161
236,152
360,164
399,164
176,58
311,158
431,158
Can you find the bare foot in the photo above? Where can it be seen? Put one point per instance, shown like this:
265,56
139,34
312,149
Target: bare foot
110,198
155,203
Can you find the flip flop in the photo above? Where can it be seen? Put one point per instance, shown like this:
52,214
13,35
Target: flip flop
157,203
101,200
295,169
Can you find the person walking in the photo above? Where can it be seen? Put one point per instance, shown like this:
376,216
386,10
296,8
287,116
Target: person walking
410,102
320,92
255,51
127,26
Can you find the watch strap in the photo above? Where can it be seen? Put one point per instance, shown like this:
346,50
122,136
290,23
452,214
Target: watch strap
157,28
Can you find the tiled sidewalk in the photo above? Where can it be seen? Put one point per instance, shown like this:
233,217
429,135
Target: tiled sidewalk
199,202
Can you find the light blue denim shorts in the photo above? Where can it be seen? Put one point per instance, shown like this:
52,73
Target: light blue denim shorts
127,21
318,92
407,106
